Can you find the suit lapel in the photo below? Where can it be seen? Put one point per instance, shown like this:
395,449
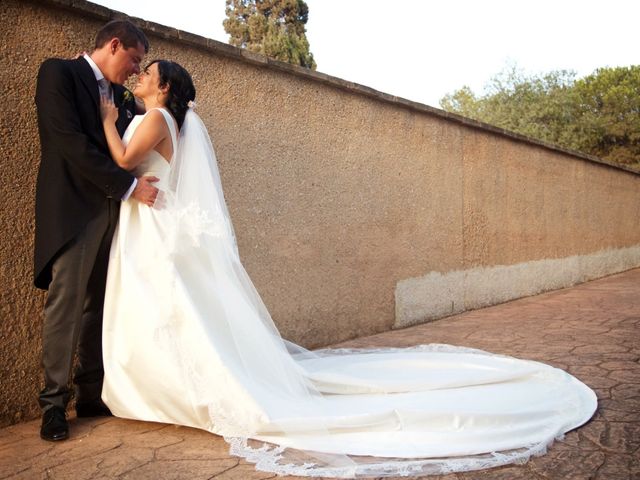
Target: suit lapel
118,91
88,79
124,114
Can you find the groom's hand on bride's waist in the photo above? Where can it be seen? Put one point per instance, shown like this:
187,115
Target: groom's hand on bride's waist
145,192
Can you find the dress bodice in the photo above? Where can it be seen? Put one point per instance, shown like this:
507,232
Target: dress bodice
153,164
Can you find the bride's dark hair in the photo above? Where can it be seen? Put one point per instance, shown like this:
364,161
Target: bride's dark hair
181,89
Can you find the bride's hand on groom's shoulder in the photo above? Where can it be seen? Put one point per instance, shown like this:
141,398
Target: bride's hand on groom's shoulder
145,192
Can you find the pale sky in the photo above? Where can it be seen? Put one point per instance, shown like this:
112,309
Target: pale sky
423,49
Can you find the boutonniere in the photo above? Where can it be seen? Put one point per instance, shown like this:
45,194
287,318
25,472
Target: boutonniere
127,96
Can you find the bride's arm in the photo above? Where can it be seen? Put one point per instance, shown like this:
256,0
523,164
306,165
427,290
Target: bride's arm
151,131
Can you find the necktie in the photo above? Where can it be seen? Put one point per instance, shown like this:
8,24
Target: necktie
104,87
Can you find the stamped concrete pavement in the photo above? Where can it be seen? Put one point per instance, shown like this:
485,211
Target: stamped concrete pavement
592,330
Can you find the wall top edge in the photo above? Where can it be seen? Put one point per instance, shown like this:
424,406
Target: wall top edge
100,12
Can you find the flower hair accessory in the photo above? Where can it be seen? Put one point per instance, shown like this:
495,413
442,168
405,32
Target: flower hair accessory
191,104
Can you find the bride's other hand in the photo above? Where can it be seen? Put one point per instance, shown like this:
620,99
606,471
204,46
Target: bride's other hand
108,110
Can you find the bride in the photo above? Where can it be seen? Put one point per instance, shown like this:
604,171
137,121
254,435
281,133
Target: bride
187,340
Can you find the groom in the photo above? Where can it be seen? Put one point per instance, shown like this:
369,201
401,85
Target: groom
78,191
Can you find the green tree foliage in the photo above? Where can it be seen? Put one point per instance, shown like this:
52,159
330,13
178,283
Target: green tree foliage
598,114
275,28
609,108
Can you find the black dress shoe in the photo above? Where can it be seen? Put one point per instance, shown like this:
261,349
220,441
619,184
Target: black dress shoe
54,425
96,408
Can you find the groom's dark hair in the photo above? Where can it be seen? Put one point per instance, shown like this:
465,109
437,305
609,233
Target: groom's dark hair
127,32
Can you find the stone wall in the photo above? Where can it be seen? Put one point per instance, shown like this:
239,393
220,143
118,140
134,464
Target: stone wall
355,211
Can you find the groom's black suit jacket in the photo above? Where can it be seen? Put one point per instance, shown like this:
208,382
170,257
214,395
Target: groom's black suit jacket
77,177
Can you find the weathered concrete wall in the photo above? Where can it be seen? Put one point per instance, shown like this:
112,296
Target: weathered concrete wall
355,211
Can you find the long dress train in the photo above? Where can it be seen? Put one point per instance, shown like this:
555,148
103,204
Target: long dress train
188,341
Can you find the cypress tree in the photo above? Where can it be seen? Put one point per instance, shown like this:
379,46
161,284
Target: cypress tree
275,28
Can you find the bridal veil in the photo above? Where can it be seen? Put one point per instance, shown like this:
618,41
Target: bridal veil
332,413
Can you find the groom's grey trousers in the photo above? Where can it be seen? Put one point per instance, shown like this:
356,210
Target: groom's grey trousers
73,313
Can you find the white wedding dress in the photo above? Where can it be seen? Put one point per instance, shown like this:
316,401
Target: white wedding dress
188,341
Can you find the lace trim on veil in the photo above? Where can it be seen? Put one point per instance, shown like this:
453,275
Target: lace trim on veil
270,458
